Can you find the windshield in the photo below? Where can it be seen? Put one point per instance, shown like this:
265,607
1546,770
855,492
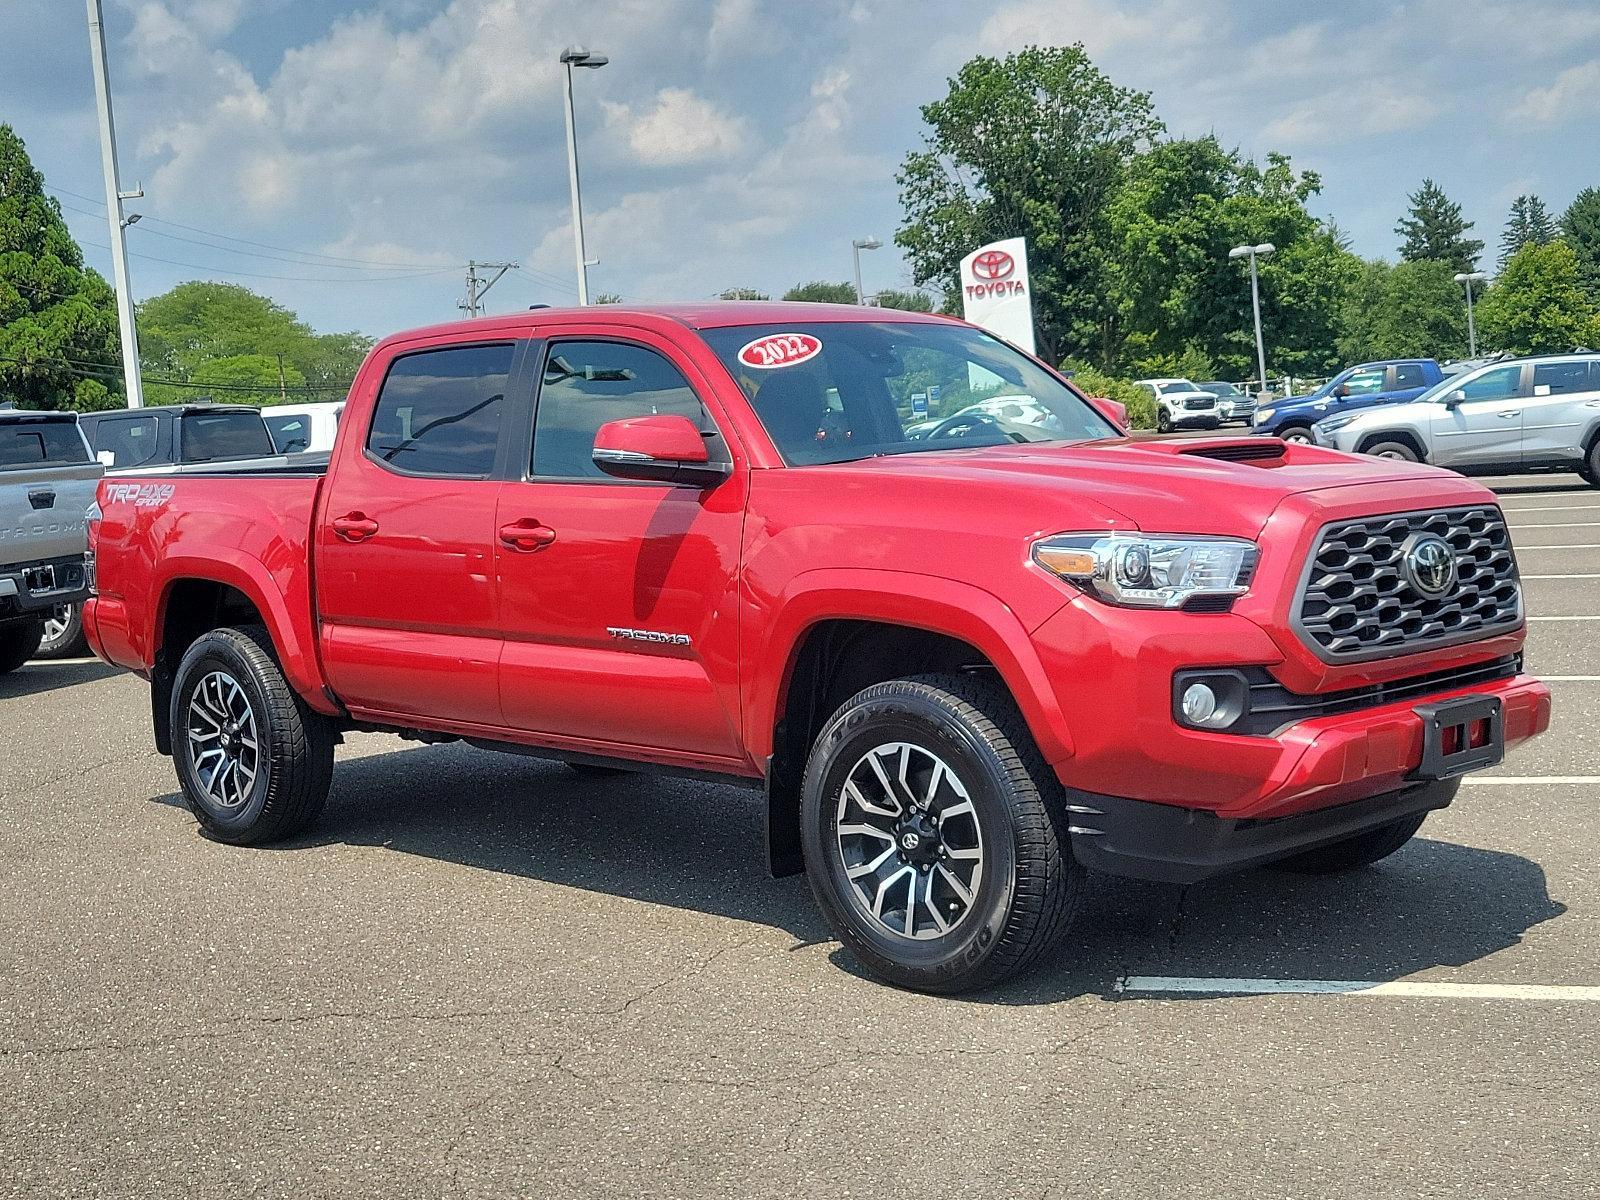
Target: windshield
1221,389
839,391
1175,386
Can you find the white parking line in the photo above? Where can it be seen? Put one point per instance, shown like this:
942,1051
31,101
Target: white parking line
1531,780
1177,985
1569,678
1527,549
1564,618
1553,508
1558,525
1561,576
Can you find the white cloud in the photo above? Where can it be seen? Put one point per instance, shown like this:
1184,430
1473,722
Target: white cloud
1570,95
677,129
1160,27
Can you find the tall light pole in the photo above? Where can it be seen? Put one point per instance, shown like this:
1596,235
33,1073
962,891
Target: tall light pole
577,56
1469,278
1262,250
856,247
132,381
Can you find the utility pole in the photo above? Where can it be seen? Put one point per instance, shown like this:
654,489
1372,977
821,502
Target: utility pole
577,56
1469,278
114,198
283,391
1252,252
477,287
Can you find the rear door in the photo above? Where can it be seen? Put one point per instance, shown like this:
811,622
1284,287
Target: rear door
1406,381
1563,401
621,619
406,547
1483,430
132,441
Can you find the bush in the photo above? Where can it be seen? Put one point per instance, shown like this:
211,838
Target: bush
1141,405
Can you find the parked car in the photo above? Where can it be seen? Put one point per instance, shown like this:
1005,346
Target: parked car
964,670
1233,404
302,428
1529,414
1364,386
173,438
47,482
1181,404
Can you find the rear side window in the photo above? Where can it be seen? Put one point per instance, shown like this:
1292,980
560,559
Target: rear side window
26,444
587,384
1409,375
291,433
439,411
132,441
1558,378
213,437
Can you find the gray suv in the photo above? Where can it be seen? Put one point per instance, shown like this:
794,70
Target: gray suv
1526,414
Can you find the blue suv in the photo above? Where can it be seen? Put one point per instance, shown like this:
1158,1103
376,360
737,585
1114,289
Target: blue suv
1354,388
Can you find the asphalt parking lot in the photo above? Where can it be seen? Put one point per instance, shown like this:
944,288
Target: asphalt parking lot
484,976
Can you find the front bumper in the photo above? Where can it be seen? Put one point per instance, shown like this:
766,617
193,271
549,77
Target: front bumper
1182,845
30,590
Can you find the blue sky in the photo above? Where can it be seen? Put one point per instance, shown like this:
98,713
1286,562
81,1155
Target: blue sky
363,151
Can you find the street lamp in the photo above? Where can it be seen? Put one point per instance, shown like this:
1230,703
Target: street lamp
132,219
577,56
1469,278
1264,249
856,247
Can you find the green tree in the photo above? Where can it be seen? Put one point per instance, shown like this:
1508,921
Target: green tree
819,291
1032,145
1529,223
223,334
58,319
1580,228
743,293
1424,313
1536,306
608,298
911,301
1435,229
1361,311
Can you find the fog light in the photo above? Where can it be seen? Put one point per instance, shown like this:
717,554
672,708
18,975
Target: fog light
1199,703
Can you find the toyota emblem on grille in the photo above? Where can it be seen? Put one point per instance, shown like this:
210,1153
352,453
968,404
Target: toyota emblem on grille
1430,565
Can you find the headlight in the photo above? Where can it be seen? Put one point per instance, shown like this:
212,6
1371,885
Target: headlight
1329,424
1138,570
1263,415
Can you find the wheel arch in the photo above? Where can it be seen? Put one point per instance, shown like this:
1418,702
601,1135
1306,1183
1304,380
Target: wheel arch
1406,436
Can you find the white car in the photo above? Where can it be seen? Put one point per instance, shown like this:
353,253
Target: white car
1181,404
303,428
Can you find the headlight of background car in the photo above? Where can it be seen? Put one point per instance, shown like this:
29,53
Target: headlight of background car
1329,424
1149,570
1263,415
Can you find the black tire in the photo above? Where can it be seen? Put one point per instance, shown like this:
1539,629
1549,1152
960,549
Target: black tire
1296,433
1163,420
19,641
1395,450
1590,469
64,636
1353,853
1026,885
293,760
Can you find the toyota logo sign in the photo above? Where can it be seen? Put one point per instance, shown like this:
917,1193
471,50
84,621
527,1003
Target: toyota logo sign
993,264
1430,565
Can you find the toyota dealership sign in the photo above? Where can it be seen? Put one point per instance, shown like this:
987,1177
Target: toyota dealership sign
995,292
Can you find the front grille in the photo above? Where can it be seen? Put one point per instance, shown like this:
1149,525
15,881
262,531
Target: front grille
1200,402
1273,707
1359,601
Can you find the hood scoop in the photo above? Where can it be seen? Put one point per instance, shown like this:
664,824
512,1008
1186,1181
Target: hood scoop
1255,449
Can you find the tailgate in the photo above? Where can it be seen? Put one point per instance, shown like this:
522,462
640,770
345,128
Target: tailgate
42,511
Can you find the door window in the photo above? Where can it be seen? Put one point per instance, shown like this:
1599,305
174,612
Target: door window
291,434
1499,384
439,412
40,444
1559,378
1364,383
586,384
1409,375
131,440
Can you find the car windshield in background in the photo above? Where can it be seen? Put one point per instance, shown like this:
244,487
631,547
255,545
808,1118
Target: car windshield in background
1175,387
839,391
26,444
1221,389
210,437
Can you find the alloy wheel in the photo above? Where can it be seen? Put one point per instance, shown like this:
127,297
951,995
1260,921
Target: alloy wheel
57,621
224,742
909,841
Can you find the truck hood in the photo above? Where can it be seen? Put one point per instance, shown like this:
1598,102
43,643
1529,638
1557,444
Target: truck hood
1219,486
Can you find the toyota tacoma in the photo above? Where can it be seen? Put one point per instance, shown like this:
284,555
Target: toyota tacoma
967,670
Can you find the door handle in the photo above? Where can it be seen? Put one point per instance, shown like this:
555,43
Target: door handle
1509,413
354,527
526,536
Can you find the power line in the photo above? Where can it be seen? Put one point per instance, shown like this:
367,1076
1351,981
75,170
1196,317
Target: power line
93,370
173,262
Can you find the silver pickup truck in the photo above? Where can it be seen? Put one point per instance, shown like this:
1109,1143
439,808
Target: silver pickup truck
47,482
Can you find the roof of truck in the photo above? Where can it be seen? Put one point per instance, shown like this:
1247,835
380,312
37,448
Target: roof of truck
174,408
35,415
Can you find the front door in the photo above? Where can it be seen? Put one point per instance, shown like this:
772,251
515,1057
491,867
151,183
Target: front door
1482,427
618,597
1563,403
406,552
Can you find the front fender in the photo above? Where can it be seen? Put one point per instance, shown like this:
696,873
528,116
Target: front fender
939,605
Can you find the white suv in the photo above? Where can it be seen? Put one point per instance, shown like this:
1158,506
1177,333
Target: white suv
1529,414
1181,403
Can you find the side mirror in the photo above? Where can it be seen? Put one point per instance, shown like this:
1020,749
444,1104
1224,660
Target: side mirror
1455,399
664,448
1112,410
106,458
1342,390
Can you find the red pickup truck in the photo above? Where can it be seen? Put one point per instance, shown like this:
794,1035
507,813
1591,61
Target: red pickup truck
969,658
